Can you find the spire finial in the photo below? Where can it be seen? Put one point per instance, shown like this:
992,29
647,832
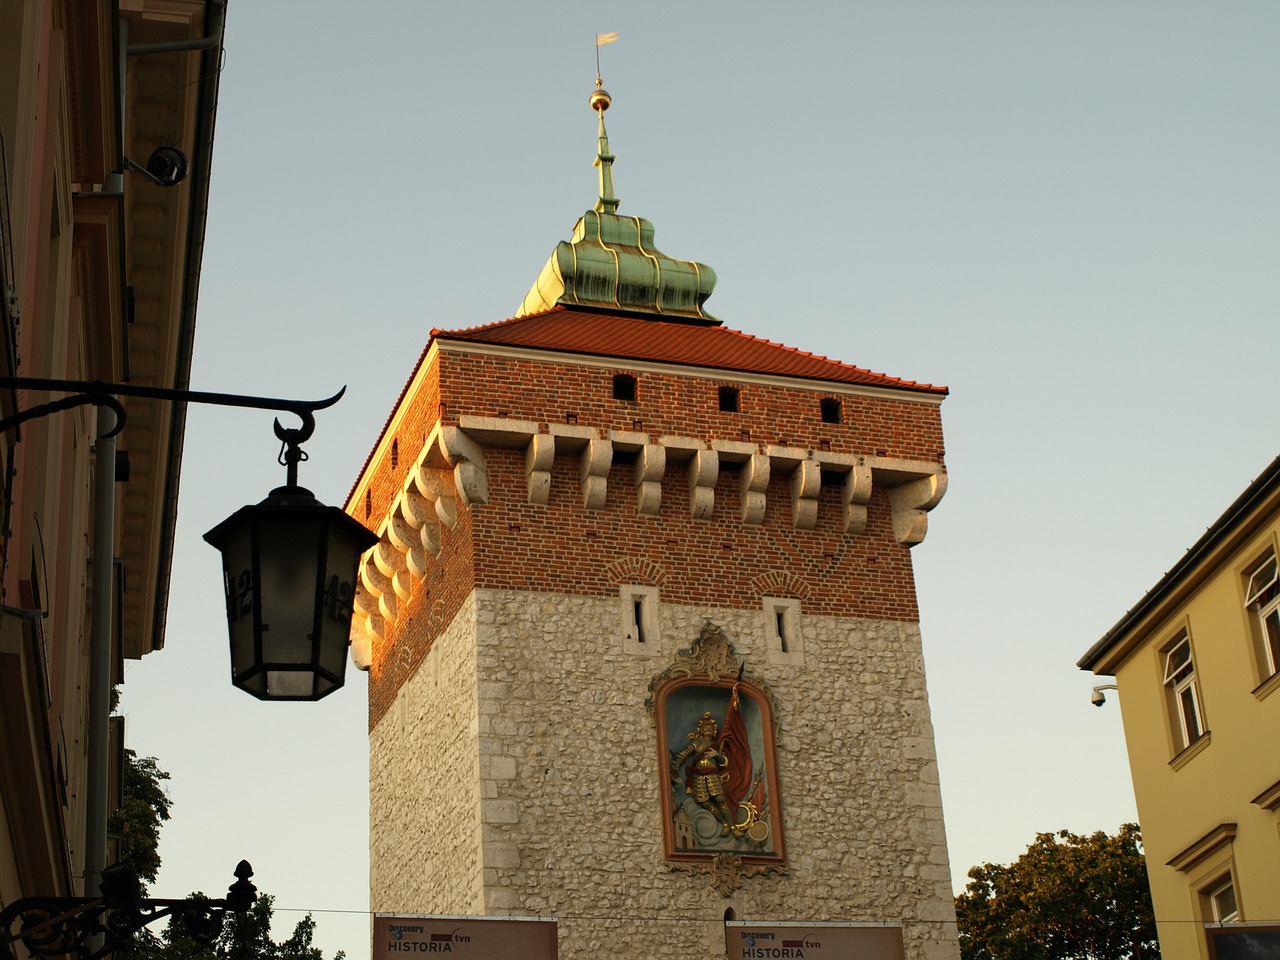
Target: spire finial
600,101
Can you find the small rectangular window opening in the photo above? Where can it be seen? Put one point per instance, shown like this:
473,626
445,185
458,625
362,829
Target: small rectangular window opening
780,616
832,410
624,386
640,621
729,399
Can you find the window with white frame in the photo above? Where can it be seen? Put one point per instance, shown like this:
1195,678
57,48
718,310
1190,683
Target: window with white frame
1184,693
1220,900
1262,600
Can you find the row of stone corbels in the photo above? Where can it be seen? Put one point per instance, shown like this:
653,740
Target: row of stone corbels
452,469
914,487
702,470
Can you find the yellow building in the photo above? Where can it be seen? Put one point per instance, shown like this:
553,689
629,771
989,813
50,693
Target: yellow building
1197,667
104,106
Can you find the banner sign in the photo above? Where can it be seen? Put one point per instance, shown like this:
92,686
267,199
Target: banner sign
812,941
396,936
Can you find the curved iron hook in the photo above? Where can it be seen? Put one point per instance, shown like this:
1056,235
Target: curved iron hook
70,403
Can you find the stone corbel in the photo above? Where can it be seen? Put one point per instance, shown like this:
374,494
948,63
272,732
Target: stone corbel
438,487
467,459
430,535
754,481
423,516
406,538
361,644
537,467
704,469
911,504
378,584
367,625
366,603
856,494
651,464
595,460
390,561
806,484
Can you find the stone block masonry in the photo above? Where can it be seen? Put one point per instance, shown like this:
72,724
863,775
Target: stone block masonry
517,773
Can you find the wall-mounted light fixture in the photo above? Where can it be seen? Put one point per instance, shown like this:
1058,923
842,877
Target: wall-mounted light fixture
166,167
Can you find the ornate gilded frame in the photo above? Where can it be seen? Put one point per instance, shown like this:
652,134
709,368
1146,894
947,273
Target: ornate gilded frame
706,673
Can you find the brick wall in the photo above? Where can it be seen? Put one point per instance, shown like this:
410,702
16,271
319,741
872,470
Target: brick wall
561,548
688,406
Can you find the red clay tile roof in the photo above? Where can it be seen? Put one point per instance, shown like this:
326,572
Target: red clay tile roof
665,341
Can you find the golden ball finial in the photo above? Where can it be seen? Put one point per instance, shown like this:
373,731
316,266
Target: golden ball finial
600,98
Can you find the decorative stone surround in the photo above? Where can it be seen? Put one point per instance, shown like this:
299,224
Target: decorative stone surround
452,471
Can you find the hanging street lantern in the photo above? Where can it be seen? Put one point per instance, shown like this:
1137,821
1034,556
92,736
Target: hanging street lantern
289,562
289,568
289,565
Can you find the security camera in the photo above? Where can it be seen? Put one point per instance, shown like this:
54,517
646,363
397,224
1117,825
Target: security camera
1098,698
166,167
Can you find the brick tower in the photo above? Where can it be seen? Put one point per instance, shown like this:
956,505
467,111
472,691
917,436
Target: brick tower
641,629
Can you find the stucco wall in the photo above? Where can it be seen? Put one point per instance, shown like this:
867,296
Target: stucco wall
1185,795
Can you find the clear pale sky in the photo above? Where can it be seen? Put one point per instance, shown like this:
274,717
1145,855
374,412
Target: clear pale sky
1068,213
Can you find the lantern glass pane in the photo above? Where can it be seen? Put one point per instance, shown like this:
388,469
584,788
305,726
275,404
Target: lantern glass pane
341,560
288,551
237,571
289,684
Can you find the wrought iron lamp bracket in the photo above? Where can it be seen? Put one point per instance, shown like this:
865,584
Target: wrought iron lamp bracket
100,393
91,928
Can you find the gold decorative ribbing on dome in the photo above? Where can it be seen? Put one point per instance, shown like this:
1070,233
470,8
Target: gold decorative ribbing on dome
611,262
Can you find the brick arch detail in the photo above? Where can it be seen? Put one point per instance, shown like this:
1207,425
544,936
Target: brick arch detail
635,570
781,583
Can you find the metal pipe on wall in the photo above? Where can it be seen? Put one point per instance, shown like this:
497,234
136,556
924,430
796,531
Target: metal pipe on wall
101,596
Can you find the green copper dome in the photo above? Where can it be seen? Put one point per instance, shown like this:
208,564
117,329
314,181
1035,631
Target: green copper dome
611,262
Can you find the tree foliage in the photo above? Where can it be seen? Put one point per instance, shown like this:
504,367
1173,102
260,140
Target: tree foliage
1068,897
146,806
245,936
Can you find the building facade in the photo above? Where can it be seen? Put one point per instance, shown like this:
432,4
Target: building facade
98,275
641,628
1197,667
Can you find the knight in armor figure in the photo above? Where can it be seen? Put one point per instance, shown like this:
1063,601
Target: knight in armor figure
703,775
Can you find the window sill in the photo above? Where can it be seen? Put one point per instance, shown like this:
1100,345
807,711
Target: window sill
1267,687
1183,758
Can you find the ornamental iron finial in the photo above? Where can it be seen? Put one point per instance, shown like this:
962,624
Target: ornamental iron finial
600,102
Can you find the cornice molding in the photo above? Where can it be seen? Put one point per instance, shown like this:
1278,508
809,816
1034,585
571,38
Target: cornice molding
1215,839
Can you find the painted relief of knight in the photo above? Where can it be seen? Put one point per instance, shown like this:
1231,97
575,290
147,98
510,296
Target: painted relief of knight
706,773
